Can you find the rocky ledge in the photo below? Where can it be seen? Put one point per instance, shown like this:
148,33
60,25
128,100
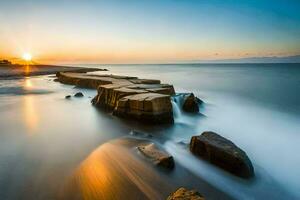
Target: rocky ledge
223,153
146,100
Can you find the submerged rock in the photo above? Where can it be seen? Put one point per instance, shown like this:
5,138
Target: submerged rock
223,153
184,194
191,104
157,155
68,97
78,94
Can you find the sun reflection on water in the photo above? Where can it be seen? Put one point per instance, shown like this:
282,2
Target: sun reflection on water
29,113
29,109
28,83
27,69
111,171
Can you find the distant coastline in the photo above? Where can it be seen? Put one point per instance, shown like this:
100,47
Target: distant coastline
16,70
249,60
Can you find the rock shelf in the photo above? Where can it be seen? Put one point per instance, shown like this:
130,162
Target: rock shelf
146,100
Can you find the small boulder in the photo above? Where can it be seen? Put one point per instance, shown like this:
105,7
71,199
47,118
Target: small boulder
190,104
223,153
157,155
68,97
78,94
184,194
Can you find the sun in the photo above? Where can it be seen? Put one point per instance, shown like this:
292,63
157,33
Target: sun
27,57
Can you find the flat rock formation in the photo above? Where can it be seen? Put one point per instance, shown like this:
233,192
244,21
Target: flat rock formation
184,194
148,107
157,155
223,153
146,100
11,70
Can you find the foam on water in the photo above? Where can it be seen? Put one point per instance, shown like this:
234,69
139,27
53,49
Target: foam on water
176,110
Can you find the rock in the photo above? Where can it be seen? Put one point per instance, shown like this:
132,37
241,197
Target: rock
146,107
109,95
223,153
157,155
184,194
190,104
68,97
155,88
78,94
82,80
141,99
145,81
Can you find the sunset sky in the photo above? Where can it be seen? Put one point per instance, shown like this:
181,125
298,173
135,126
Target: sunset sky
147,31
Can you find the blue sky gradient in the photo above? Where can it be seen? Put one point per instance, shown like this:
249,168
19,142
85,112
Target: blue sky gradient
149,31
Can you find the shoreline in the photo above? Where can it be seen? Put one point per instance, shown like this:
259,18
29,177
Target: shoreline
18,71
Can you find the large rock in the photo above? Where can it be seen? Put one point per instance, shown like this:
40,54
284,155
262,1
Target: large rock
157,155
109,95
191,103
146,107
184,194
83,80
223,153
142,99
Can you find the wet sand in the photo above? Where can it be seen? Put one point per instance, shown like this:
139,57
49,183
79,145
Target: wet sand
9,71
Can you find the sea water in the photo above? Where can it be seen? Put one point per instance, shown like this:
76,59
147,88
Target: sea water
44,136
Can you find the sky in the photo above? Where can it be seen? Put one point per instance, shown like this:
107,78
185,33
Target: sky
147,31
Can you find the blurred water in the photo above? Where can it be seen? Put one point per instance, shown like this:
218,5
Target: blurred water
255,105
44,137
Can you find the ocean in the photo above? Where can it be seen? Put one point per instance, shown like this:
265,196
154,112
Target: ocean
45,137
